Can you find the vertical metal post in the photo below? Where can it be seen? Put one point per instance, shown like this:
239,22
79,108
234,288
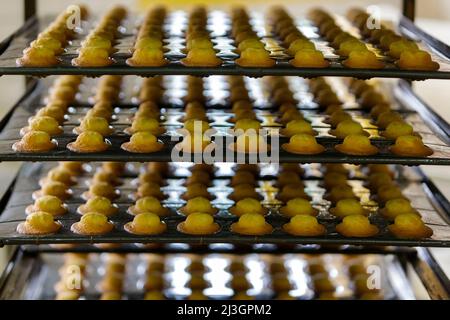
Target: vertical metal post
29,11
409,9
431,274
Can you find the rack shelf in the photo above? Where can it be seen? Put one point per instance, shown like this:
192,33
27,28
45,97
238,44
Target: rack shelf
28,268
428,200
11,48
433,129
26,261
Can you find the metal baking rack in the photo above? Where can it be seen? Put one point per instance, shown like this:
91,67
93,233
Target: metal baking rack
433,129
25,276
11,49
43,275
427,200
428,270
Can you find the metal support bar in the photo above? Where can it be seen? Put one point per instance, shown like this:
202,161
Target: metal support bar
409,9
29,11
431,275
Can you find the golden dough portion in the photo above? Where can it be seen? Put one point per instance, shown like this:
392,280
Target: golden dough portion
298,206
339,193
347,207
148,57
410,226
150,189
303,144
93,57
298,126
201,57
309,58
148,204
34,142
410,146
89,142
95,124
251,224
242,191
255,57
102,189
304,225
104,176
348,127
248,205
38,223
288,176
417,60
397,129
38,56
146,224
337,117
388,192
363,59
198,204
396,207
145,124
357,225
49,204
98,204
292,191
92,224
357,145
199,224
53,188
43,123
59,175
143,142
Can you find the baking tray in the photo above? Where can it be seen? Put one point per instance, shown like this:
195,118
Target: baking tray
224,171
238,249
12,48
39,274
425,197
428,124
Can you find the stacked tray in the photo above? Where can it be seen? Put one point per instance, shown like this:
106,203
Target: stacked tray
217,103
218,25
425,199
215,276
216,99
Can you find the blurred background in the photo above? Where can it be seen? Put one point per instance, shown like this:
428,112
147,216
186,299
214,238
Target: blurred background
432,15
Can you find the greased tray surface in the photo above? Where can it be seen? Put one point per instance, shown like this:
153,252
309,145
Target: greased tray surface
219,113
424,197
219,25
260,274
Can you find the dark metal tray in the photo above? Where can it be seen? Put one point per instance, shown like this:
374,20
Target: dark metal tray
425,197
39,274
11,49
433,129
